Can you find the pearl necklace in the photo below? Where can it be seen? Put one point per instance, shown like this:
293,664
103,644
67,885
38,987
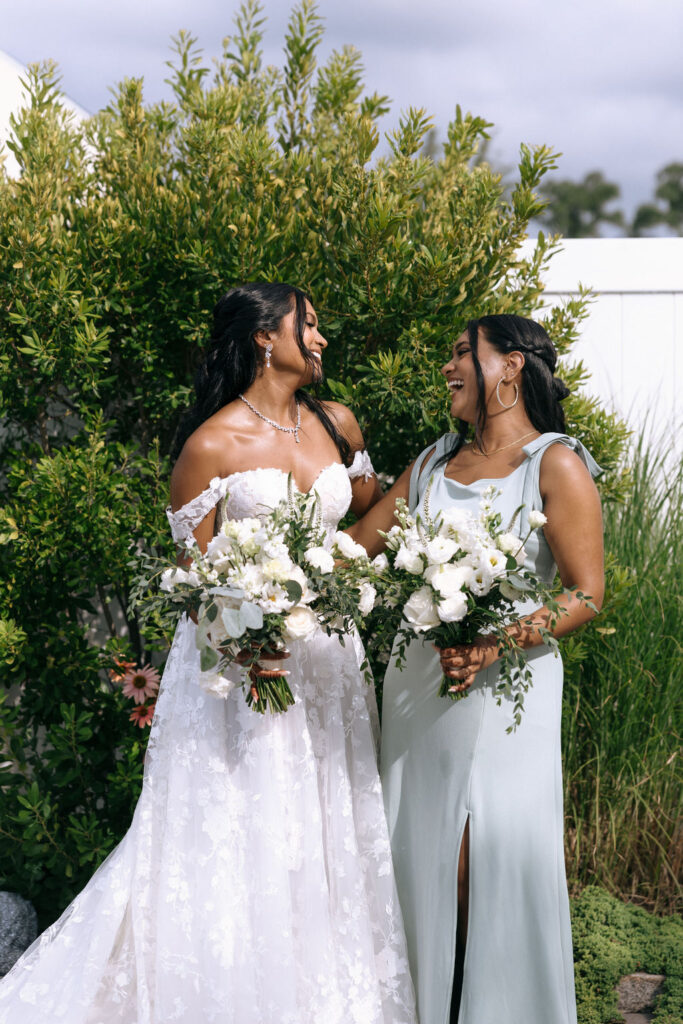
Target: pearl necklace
285,430
486,455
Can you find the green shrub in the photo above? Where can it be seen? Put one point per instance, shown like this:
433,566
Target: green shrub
115,243
612,939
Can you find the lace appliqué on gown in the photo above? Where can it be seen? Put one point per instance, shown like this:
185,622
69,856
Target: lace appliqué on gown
255,884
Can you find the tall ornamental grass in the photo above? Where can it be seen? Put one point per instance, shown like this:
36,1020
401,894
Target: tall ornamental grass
622,714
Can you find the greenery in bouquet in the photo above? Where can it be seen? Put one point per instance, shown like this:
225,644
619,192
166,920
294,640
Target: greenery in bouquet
261,584
457,576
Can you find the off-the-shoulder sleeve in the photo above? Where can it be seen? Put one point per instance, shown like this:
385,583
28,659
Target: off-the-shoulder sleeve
186,519
361,466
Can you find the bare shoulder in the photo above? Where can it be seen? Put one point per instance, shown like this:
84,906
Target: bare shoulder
562,469
205,455
346,422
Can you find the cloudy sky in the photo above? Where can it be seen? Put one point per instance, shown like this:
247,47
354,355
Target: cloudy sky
599,80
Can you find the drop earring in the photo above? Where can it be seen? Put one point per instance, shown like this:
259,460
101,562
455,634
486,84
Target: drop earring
500,400
269,349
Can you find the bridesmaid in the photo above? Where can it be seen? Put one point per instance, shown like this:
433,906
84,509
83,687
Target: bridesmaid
475,814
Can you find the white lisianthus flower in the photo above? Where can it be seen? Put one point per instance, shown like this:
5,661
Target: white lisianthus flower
482,581
171,577
380,562
440,550
368,595
420,610
537,519
453,609
495,562
301,623
216,684
449,580
273,599
299,576
320,559
347,546
455,519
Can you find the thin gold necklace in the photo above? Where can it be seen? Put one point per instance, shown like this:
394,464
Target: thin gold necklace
486,455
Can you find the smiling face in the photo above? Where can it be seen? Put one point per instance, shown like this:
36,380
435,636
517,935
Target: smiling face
287,355
461,375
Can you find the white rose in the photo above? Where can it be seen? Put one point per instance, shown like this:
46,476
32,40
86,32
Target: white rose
216,684
408,560
368,595
453,609
320,559
511,544
380,562
537,519
440,550
455,519
301,623
219,551
449,580
347,546
420,611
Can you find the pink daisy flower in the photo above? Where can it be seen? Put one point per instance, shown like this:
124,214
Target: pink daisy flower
140,683
142,715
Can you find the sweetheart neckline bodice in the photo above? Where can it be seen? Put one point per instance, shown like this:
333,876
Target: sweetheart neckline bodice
277,469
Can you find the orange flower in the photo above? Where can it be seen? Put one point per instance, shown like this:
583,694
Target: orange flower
140,683
142,715
118,673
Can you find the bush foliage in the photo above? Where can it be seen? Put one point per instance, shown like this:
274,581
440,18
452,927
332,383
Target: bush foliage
115,242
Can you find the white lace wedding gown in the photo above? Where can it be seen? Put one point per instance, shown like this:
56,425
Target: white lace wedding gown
255,884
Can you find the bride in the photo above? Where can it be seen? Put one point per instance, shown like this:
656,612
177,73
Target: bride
255,884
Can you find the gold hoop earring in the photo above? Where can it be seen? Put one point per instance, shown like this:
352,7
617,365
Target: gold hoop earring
500,400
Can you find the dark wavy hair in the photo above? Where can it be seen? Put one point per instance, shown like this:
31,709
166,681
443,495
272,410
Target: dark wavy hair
542,392
233,357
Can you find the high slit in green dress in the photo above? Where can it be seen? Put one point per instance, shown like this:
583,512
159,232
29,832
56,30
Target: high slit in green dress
444,762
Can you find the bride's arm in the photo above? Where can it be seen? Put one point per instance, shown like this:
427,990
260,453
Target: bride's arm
365,492
202,458
574,533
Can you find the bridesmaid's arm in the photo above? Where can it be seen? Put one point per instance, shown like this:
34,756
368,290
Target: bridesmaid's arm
574,534
380,516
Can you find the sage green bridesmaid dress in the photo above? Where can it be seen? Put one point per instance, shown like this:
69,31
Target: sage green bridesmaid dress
443,763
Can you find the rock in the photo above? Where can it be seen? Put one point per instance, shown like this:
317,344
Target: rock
18,928
637,991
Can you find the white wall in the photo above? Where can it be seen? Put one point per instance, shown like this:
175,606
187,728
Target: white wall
632,340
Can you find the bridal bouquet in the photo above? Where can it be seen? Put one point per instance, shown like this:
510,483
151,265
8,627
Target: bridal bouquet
456,576
262,583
